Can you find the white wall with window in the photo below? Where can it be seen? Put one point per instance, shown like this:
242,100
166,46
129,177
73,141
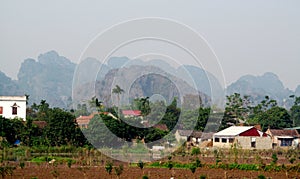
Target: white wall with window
13,106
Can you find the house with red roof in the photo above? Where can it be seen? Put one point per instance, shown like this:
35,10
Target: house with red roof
246,137
83,121
131,113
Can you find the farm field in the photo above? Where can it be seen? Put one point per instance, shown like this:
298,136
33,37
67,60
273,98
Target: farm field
62,171
86,163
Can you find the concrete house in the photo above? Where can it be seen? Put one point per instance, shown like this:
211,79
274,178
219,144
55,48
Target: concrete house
13,106
131,113
83,121
246,137
192,137
284,137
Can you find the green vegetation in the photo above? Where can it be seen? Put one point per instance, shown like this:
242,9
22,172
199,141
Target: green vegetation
141,164
22,165
192,168
145,177
202,177
266,113
196,151
62,140
119,170
261,176
60,128
108,167
6,170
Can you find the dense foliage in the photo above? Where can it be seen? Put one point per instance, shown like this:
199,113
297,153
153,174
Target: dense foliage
62,129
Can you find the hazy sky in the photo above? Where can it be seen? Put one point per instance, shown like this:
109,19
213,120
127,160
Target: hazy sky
249,37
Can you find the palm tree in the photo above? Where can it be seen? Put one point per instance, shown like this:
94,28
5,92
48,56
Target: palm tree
118,90
96,104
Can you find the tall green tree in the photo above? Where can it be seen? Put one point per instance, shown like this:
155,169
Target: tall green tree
259,112
264,105
11,129
236,110
98,134
158,110
171,115
142,104
118,91
95,104
62,128
295,111
275,118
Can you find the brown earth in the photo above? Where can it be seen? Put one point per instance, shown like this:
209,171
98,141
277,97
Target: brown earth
62,171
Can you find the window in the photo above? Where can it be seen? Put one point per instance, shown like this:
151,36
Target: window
1,110
286,142
224,140
253,144
231,140
217,140
14,110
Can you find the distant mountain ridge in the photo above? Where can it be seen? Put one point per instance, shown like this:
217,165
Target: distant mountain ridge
50,77
8,87
136,85
257,87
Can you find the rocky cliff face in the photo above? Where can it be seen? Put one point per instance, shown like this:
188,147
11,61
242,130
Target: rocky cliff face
9,87
48,78
260,86
138,81
51,76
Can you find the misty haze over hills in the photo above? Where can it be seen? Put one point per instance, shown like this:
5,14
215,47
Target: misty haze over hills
50,77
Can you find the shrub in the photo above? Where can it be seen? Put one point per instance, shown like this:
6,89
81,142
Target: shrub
274,159
202,176
69,163
261,176
119,170
22,165
198,163
6,170
140,164
145,177
193,168
155,164
108,167
170,165
217,156
195,151
292,160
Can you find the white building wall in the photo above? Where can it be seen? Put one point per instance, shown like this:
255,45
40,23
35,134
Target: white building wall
222,143
6,102
179,137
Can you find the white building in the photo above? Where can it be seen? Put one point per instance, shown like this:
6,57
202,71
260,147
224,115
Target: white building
13,106
247,137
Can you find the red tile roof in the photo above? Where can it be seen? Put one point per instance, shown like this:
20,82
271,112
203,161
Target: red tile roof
84,119
162,127
131,112
282,132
